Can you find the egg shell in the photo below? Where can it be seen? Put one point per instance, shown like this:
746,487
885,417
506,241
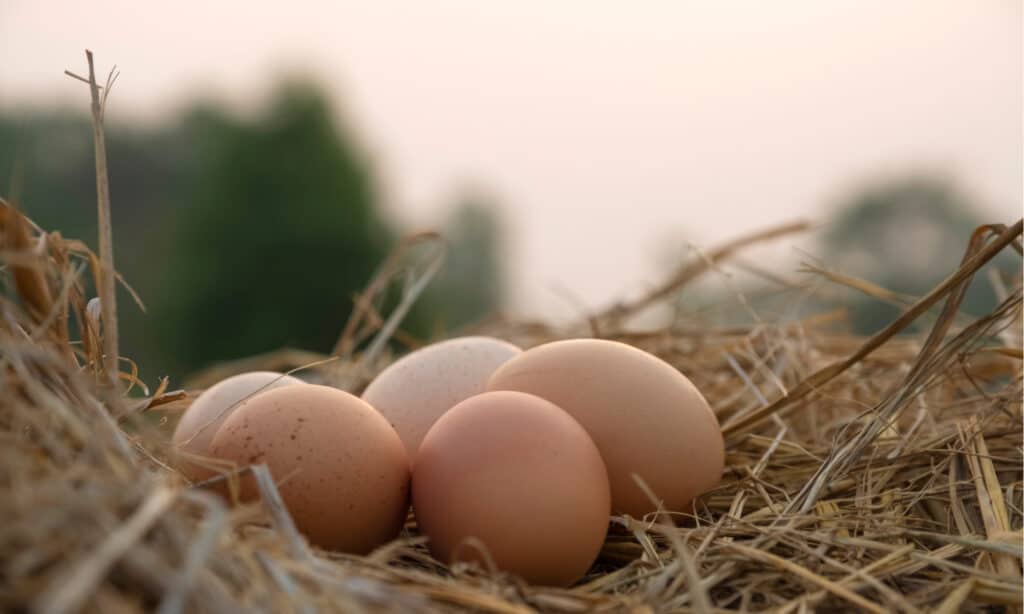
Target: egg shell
413,392
645,416
199,423
521,476
341,470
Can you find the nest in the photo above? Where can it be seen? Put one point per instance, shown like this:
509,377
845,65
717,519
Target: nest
876,474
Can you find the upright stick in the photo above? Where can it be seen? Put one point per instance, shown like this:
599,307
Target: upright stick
107,283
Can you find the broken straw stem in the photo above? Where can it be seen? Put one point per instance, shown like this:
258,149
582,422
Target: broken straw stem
107,282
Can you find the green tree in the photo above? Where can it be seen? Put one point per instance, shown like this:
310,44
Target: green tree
470,286
47,167
242,234
905,234
279,232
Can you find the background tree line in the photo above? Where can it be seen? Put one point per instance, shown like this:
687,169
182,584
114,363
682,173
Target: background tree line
246,234
242,235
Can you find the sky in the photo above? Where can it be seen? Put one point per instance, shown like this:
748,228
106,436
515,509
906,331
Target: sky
610,131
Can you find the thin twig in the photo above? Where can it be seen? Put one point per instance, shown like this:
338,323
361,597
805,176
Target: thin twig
694,269
107,286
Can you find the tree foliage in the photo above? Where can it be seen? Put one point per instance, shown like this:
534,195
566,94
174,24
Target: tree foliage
243,234
280,231
905,234
471,285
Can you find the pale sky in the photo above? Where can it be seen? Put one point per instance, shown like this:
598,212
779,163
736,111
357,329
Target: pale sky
608,128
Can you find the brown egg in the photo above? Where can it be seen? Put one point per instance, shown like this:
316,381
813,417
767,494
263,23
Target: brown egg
340,467
517,474
644,415
201,420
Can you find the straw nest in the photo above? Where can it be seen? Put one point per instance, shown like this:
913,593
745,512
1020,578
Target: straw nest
875,474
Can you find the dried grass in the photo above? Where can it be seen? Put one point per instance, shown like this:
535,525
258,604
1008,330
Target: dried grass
879,474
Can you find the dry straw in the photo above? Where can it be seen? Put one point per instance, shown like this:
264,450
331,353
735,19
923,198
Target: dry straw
863,474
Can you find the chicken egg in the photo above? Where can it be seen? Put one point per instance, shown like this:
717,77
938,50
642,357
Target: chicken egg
518,476
341,469
645,416
414,391
199,423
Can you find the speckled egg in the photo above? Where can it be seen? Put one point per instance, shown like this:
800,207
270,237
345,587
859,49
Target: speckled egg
341,469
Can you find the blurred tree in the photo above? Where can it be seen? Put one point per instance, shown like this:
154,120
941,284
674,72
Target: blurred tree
279,232
47,166
906,234
47,158
241,234
470,285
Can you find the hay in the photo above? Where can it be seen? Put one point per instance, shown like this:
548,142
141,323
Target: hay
879,474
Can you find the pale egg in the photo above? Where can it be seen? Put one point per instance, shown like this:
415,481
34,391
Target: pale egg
199,423
413,392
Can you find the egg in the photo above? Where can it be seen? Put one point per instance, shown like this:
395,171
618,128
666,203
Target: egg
645,416
201,420
341,469
414,391
519,476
